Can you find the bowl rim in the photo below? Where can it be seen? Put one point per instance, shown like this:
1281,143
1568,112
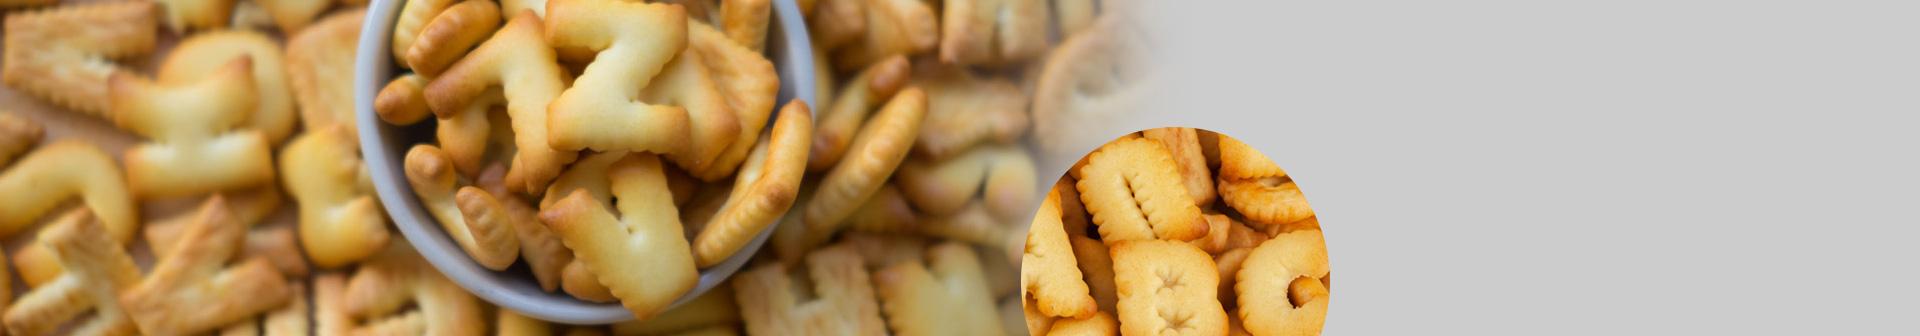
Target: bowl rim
373,68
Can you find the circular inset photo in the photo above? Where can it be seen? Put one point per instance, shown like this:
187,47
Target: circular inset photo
1175,231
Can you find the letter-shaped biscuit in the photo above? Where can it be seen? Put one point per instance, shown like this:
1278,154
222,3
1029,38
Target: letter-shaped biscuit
401,102
871,159
471,216
192,290
198,144
543,252
1048,271
1166,288
1133,190
717,307
414,17
98,270
686,83
320,66
632,41
747,80
763,190
893,27
292,15
1002,176
448,36
969,110
1100,324
1184,144
745,21
59,54
398,279
640,253
518,62
185,15
1282,288
202,54
839,123
949,295
843,301
52,175
340,221
992,31
1096,265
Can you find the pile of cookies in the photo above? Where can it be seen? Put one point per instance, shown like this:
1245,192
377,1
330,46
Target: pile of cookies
1175,231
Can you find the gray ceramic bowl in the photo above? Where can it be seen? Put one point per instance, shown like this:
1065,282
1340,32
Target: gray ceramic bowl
384,145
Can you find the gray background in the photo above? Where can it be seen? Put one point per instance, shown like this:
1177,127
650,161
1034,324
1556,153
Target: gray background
1527,167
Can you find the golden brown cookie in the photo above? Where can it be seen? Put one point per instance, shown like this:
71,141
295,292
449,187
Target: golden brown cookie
631,42
969,109
202,54
843,302
1048,271
510,323
291,318
61,171
748,82
974,223
543,252
198,142
184,15
340,220
1238,161
892,27
1132,188
640,252
450,34
1002,176
1229,263
517,62
711,124
17,135
1184,144
582,284
763,190
398,293
745,21
992,31
1101,323
56,53
1281,288
471,216
1167,287
292,15
840,122
320,68
193,289
880,250
1266,200
871,158
717,307
1096,265
414,17
330,317
886,212
98,270
947,294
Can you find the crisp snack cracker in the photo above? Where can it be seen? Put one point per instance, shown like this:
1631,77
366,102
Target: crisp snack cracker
1100,324
402,101
632,41
763,190
97,271
1229,263
202,54
51,176
842,301
1167,287
1266,200
886,212
871,158
320,67
972,224
582,284
61,54
1184,144
17,135
1239,161
880,250
745,21
992,32
945,295
471,216
711,124
840,121
893,27
192,290
185,15
545,255
450,34
399,279
1096,266
639,253
1002,176
747,80
1133,190
414,17
717,307
292,15
1280,285
198,142
518,63
1048,271
340,220
969,109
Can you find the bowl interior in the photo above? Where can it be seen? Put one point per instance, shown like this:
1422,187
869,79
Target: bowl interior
384,145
